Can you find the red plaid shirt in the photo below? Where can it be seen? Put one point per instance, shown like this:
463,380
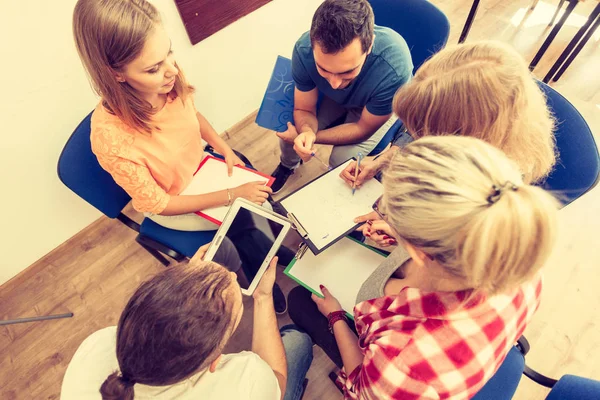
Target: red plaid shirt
430,345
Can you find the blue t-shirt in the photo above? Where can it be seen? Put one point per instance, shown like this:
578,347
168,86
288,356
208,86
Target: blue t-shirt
387,67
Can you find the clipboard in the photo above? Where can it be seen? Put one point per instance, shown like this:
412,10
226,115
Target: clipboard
349,256
322,211
202,186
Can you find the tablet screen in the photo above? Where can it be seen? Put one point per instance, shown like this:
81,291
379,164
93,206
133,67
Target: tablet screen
253,236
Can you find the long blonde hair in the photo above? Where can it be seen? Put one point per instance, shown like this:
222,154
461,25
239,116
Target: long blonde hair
109,34
484,90
464,203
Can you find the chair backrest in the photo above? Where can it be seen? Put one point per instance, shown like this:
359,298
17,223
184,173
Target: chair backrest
79,170
578,165
424,26
571,387
503,385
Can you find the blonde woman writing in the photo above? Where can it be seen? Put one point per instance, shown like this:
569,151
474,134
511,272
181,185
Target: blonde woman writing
146,131
483,90
438,317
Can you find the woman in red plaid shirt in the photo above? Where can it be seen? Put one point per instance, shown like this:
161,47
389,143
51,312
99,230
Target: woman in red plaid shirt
437,318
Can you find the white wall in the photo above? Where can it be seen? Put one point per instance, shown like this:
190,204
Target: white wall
44,94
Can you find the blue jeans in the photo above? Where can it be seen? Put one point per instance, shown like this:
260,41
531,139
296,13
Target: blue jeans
299,354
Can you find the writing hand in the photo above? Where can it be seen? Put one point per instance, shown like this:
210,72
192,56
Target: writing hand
367,170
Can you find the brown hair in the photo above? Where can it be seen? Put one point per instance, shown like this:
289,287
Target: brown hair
173,326
337,23
484,90
440,196
109,34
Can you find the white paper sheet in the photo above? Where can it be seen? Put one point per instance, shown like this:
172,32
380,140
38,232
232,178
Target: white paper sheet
326,208
342,269
212,177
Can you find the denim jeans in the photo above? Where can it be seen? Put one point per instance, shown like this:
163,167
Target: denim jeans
299,354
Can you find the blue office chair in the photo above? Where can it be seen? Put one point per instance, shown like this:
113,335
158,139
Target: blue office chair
79,170
424,26
578,164
425,29
503,385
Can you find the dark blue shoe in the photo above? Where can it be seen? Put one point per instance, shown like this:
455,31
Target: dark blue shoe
279,300
281,175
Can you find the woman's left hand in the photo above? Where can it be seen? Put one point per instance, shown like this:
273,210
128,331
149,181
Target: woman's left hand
232,159
328,304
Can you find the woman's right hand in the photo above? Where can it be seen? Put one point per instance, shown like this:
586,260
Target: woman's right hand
256,192
367,170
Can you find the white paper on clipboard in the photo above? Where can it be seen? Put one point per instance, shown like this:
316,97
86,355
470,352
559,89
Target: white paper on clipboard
326,207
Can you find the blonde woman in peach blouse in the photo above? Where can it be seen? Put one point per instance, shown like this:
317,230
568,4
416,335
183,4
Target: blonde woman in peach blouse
146,131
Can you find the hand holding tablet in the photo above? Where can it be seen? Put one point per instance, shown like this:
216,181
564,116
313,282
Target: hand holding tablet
256,233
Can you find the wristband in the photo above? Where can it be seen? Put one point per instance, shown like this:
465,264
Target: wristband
334,317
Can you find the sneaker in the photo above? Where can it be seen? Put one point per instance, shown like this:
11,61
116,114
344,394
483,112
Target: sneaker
279,300
281,175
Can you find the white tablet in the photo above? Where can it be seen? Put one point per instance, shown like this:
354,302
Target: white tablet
256,233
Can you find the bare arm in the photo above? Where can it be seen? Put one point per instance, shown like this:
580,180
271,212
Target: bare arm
183,204
305,110
212,137
266,340
255,192
347,342
354,132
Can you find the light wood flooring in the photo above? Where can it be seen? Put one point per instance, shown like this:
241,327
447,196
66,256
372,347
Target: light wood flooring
94,273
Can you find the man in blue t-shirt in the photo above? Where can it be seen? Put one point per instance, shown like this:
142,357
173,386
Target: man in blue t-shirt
357,67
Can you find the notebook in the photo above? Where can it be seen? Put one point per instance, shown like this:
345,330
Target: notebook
342,269
211,176
324,209
277,108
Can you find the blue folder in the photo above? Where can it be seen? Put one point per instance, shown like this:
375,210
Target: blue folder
277,108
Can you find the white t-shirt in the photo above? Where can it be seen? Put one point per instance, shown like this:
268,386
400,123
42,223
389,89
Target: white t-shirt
238,376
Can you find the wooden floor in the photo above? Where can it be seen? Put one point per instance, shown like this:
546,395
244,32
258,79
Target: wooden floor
94,273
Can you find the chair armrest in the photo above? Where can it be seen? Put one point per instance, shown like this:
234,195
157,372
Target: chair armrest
523,345
539,378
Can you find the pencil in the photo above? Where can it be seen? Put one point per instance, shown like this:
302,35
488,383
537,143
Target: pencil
321,161
356,173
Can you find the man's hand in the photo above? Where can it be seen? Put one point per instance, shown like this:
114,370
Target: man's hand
265,286
328,304
303,144
199,256
289,135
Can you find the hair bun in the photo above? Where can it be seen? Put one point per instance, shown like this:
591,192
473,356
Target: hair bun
126,381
